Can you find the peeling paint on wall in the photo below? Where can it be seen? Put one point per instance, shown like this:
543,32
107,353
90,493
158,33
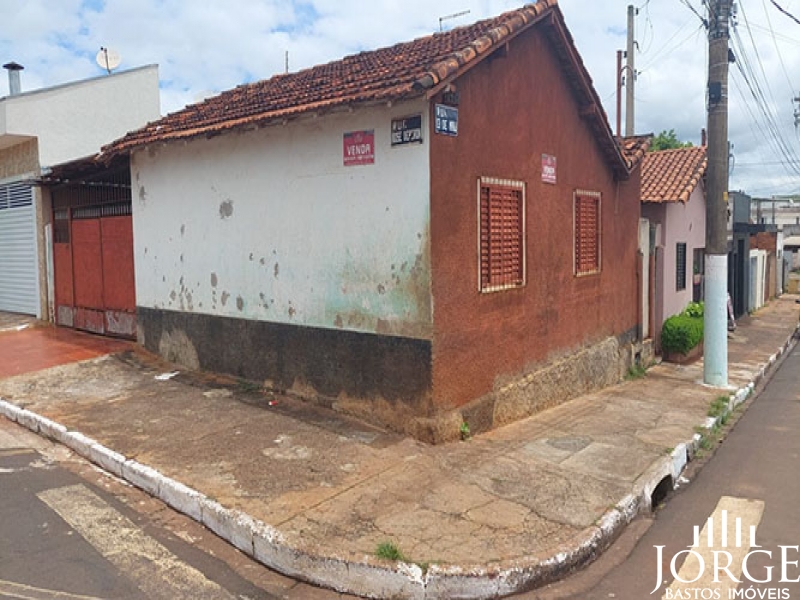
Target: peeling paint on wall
320,249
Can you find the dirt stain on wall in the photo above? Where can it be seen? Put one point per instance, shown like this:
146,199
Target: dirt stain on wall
226,209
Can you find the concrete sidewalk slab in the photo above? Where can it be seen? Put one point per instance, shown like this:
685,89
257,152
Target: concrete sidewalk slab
312,493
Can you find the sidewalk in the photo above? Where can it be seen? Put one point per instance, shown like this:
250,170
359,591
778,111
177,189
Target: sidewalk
499,513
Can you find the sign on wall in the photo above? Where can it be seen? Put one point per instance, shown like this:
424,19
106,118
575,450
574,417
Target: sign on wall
548,168
407,130
359,148
446,120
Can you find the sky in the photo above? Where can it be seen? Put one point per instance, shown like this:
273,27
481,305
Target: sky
206,47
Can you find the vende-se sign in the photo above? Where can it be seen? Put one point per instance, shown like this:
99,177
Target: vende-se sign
548,168
359,148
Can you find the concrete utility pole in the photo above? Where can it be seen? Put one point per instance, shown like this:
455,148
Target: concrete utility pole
797,112
715,364
631,75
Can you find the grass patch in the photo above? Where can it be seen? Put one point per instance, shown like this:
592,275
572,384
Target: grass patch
248,387
389,551
635,372
464,431
718,407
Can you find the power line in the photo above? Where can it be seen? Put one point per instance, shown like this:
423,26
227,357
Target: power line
786,12
780,36
770,133
658,55
758,54
783,150
688,5
777,50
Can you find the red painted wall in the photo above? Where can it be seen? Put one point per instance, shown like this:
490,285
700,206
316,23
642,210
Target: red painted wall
512,110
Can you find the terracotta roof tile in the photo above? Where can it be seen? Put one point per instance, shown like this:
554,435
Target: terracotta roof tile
403,71
672,175
634,148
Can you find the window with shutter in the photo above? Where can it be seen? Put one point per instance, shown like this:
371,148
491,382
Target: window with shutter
680,266
587,232
501,207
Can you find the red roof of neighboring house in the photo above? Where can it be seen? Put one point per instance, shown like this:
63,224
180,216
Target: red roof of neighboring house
634,148
415,69
672,175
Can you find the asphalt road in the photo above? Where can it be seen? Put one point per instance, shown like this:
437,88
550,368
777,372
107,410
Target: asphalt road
69,531
754,476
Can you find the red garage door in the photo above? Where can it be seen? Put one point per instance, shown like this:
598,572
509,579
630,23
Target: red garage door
93,263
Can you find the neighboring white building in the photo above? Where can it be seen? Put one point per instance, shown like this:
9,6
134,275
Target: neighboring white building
776,211
43,128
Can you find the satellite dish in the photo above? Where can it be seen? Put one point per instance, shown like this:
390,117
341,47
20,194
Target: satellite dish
108,59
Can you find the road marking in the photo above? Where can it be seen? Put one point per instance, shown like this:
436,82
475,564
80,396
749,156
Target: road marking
20,591
730,528
153,568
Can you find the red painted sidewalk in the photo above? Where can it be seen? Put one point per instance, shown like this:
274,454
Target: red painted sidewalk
43,347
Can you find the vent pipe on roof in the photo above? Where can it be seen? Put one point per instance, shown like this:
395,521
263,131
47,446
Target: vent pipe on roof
14,87
703,137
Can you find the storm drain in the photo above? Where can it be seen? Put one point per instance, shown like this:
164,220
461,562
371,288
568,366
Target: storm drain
660,493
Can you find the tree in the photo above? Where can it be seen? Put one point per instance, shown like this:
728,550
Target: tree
667,140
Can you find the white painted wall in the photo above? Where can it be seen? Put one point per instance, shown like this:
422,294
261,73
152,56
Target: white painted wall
676,222
758,278
644,250
76,119
684,223
270,225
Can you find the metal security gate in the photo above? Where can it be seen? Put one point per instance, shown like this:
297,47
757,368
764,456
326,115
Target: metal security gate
19,279
93,254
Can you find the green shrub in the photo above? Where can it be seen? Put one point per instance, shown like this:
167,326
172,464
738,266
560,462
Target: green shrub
681,333
694,309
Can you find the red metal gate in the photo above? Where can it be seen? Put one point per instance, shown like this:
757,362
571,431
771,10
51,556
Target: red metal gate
93,258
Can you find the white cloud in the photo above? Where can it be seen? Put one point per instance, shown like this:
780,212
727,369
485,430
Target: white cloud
213,46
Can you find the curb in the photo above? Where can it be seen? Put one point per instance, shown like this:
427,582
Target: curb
267,545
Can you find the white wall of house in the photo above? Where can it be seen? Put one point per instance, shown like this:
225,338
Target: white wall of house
758,278
685,223
76,119
270,225
678,223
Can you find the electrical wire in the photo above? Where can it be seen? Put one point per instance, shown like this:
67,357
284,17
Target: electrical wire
767,117
649,27
688,5
677,45
777,50
766,125
780,36
786,12
758,54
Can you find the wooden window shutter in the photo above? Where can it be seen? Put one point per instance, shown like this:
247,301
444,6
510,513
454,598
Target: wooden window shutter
502,234
587,233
